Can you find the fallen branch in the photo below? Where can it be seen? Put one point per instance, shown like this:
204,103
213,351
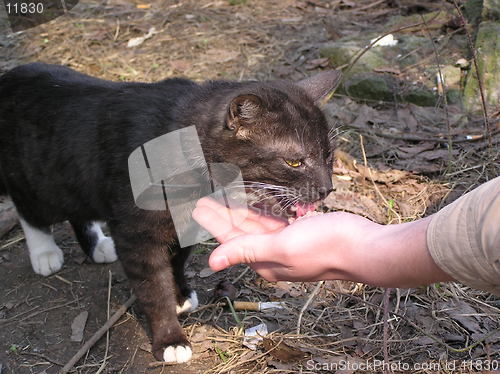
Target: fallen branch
99,333
416,138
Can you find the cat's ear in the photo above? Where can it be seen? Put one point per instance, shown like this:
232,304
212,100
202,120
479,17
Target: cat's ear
320,85
243,109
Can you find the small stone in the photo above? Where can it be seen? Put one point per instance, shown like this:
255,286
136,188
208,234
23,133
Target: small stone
78,326
462,63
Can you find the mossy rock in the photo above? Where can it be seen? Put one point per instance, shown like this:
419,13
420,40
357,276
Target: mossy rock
452,76
369,87
378,87
342,53
473,10
454,97
420,96
488,60
491,10
435,20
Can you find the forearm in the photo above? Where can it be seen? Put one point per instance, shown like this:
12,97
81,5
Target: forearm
394,256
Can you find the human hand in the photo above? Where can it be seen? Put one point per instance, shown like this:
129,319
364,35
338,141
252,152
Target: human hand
336,245
310,249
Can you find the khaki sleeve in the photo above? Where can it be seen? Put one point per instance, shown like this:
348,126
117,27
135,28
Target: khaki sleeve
464,238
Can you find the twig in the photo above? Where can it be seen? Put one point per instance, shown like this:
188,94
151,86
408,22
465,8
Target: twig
99,333
12,320
365,7
415,138
443,93
387,294
421,330
39,355
240,275
369,46
11,242
373,181
478,75
306,305
103,365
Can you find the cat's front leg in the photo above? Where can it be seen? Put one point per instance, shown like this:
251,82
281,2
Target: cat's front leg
187,299
146,261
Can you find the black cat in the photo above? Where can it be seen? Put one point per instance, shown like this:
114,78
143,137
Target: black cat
65,139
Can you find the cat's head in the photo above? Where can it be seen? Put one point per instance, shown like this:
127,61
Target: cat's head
279,138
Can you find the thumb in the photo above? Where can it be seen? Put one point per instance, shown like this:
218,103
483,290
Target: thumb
244,249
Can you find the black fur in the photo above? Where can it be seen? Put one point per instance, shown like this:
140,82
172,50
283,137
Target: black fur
66,138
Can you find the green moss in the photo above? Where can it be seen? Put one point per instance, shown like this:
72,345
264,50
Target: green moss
369,87
420,97
488,59
472,10
491,10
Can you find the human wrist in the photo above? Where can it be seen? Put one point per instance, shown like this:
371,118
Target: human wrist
352,250
398,257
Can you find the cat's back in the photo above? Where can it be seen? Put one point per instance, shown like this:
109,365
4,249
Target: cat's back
47,74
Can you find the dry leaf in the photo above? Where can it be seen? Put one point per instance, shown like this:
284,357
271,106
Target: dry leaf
205,273
134,42
406,118
219,55
355,203
180,65
441,154
316,63
78,326
282,351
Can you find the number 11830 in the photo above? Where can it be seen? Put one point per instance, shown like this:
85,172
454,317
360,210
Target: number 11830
24,8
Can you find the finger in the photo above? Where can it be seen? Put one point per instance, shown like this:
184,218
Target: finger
244,249
220,227
242,215
221,222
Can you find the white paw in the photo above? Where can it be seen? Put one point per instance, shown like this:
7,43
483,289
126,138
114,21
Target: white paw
46,261
178,354
104,251
190,304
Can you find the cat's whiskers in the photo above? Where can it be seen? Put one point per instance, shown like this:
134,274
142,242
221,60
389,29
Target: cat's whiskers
335,132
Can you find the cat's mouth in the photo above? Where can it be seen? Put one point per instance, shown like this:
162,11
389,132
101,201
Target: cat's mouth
301,209
284,209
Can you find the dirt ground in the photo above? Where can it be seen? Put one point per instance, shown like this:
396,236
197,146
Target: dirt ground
392,166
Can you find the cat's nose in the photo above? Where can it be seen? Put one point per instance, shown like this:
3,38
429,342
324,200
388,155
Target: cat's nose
324,192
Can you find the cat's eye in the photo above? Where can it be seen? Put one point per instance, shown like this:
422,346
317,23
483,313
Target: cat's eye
293,163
